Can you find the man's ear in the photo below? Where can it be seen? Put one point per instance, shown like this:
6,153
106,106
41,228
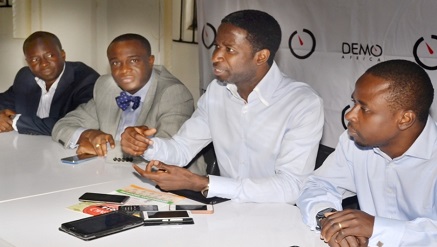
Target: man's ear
407,119
262,56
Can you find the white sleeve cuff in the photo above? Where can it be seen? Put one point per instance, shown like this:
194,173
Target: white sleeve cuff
72,143
387,232
14,121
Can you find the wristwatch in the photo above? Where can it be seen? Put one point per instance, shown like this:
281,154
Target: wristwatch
321,215
205,190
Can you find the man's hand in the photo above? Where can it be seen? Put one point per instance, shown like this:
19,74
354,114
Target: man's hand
349,241
343,225
169,177
135,140
6,120
94,142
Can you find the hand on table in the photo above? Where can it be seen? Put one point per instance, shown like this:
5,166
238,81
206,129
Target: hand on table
135,140
169,177
349,241
6,120
354,226
94,142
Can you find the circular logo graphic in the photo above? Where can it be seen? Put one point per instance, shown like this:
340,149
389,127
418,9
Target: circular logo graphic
99,209
208,35
343,113
299,44
421,47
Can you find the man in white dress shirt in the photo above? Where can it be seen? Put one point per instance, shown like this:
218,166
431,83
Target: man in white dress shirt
264,125
388,158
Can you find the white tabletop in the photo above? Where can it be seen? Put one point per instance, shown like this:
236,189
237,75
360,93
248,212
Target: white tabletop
36,189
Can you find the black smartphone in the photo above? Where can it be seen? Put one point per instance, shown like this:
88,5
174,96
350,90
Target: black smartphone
101,225
195,209
135,208
165,214
108,198
77,159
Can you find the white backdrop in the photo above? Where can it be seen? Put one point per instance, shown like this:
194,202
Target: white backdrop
329,44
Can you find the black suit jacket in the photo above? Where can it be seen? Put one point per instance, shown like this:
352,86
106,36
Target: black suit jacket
74,88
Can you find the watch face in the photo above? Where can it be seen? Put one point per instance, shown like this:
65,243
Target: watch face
205,192
321,215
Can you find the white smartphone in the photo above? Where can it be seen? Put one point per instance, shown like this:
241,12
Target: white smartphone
194,208
77,159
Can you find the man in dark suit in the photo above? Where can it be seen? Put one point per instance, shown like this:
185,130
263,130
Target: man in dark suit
46,90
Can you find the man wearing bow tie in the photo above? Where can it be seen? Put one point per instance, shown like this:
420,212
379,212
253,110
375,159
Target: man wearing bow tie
137,93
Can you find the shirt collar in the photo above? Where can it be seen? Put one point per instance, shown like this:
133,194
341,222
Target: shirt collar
424,144
265,88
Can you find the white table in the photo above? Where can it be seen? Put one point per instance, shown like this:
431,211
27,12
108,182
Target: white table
36,189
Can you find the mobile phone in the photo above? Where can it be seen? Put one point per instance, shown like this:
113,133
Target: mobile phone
101,225
137,209
132,208
108,198
166,215
194,208
76,159
153,218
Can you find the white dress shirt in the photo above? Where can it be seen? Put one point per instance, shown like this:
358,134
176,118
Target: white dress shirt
265,147
45,101
401,193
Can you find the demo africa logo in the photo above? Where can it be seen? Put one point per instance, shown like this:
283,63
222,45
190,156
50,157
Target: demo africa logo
424,49
302,44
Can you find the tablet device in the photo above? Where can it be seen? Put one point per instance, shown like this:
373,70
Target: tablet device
101,225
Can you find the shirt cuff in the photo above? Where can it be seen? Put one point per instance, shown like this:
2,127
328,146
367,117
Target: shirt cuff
223,187
149,154
14,121
72,143
387,232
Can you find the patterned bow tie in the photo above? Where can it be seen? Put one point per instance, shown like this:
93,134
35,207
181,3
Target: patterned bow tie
123,101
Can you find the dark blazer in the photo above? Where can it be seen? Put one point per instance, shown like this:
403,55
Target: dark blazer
74,88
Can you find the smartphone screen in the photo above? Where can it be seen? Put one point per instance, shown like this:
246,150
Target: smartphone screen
191,207
101,225
109,198
76,159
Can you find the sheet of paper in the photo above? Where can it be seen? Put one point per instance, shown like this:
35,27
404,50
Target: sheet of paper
139,192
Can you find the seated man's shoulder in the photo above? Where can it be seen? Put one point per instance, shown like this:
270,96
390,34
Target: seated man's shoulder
82,70
24,72
164,76
106,84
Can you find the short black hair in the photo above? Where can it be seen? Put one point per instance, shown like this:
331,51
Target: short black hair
41,35
410,86
133,36
263,31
